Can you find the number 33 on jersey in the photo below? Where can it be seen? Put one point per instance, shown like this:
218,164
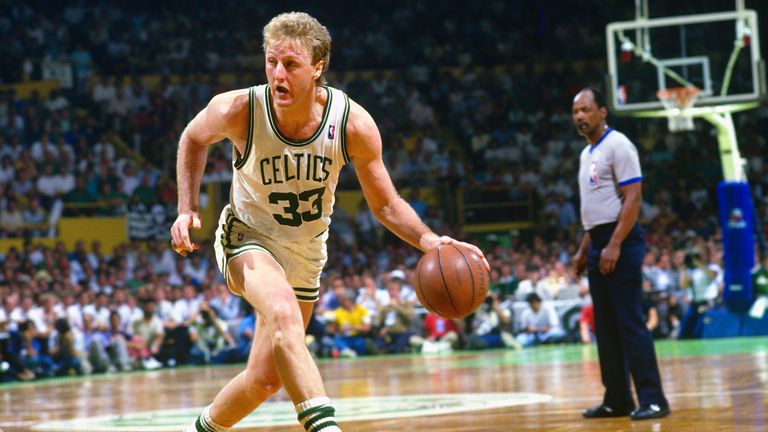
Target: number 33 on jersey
285,188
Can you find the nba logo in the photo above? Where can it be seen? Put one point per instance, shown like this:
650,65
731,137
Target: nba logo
593,178
736,219
331,131
240,237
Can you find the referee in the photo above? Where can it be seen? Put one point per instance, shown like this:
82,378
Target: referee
612,250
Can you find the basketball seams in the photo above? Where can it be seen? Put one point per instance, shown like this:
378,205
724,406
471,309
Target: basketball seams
423,294
445,284
471,274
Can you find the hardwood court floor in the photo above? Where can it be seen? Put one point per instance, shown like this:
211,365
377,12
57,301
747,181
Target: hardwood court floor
713,385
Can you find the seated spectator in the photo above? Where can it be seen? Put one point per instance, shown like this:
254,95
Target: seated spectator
407,292
12,220
33,351
176,343
539,323
7,171
650,312
78,200
489,326
558,284
418,205
331,298
195,268
244,333
41,147
699,279
130,179
147,336
372,298
95,345
56,101
368,227
350,326
35,219
394,322
111,202
65,153
560,211
23,184
440,334
10,355
226,305
532,284
587,324
505,284
146,193
103,92
211,341
117,343
65,181
66,357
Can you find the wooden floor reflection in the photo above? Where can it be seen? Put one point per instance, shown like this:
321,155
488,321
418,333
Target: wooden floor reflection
714,385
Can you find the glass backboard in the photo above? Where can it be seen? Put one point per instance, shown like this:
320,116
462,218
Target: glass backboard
718,53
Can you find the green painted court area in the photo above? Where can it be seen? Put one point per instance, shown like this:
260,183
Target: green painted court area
574,353
553,354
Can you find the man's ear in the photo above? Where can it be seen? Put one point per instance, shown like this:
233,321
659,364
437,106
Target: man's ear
318,69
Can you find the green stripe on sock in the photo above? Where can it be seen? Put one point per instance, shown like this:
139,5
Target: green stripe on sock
312,410
324,425
319,419
199,424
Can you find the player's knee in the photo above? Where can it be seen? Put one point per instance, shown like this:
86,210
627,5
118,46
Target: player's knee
287,326
265,384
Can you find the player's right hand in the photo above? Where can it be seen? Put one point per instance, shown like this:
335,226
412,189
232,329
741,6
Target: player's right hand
180,241
580,263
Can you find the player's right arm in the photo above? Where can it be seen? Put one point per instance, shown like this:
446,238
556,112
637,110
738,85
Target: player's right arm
226,116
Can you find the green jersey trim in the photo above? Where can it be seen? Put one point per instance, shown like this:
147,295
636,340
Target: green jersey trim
240,161
343,130
314,136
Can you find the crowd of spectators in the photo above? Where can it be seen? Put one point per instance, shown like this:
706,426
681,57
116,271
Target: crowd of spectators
107,147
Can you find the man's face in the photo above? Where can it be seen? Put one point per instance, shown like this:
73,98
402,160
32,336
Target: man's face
290,72
587,117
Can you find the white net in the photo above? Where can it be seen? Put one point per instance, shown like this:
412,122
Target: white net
676,101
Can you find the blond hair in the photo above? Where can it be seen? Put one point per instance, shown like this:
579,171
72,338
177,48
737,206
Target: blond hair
304,29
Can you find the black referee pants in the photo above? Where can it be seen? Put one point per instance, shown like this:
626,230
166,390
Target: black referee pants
624,344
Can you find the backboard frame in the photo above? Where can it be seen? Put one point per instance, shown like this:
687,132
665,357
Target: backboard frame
738,102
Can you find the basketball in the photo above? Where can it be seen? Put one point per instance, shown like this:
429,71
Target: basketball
451,281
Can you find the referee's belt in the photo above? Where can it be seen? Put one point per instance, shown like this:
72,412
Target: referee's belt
602,230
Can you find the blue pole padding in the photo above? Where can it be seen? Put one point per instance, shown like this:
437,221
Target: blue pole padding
737,222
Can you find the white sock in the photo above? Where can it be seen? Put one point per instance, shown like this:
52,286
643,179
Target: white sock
203,423
317,415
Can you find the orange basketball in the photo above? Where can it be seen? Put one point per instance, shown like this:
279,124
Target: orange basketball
451,281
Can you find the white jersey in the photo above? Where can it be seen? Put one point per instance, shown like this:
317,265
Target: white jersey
611,163
282,188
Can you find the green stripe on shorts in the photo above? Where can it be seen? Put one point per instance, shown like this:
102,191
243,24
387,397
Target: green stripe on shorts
307,294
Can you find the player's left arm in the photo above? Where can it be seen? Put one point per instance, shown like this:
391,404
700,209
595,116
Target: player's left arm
364,148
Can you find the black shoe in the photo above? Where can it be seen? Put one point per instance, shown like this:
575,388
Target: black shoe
604,411
652,411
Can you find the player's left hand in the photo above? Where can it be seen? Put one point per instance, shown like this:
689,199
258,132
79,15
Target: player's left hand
436,241
608,258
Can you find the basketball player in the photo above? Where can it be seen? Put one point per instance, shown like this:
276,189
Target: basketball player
291,138
612,251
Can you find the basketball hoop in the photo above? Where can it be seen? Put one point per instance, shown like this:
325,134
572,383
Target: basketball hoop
676,101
